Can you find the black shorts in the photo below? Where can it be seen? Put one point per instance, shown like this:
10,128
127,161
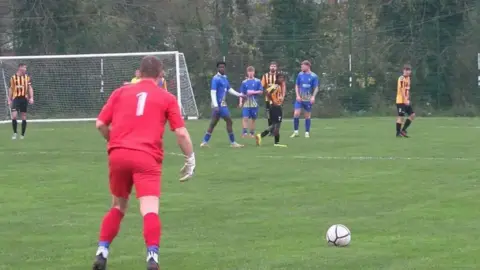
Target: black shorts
20,104
276,114
404,109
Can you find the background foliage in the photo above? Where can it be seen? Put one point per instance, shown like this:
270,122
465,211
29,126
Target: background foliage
440,38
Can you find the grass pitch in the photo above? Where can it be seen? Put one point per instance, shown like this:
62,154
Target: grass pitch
410,203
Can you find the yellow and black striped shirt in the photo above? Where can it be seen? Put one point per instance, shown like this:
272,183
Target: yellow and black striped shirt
268,79
19,85
275,94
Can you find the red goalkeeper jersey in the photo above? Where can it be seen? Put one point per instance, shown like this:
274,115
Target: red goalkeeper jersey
137,115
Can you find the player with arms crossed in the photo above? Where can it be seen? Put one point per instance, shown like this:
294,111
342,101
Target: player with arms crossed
403,102
20,94
306,88
269,79
276,95
219,88
251,87
133,122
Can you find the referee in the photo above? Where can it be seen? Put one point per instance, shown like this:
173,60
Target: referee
20,94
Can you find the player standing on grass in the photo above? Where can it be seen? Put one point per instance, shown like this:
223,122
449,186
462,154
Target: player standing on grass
19,95
218,92
133,121
251,87
306,88
268,79
403,102
276,95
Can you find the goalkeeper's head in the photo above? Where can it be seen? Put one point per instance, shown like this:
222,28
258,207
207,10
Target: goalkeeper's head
151,68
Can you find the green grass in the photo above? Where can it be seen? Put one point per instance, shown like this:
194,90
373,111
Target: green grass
410,203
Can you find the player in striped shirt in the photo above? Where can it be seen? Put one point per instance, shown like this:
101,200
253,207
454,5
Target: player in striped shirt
269,79
20,94
275,95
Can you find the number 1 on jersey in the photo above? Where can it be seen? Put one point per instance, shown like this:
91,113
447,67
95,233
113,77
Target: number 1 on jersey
141,99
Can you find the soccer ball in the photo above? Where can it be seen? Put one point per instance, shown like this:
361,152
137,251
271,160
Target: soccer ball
338,235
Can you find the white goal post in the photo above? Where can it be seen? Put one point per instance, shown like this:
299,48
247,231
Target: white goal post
69,88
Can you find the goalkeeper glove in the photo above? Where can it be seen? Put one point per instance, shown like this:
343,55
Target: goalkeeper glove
188,168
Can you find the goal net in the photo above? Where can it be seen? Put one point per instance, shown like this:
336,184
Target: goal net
75,87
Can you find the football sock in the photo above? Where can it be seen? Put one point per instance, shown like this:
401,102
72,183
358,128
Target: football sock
14,125
277,139
244,131
231,136
407,124
296,123
265,132
207,137
152,231
110,227
252,132
308,122
399,127
24,126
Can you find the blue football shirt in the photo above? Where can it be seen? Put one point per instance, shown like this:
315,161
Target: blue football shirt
221,85
307,82
251,84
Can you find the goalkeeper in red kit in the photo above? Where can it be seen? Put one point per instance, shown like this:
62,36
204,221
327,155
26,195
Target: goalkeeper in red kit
133,122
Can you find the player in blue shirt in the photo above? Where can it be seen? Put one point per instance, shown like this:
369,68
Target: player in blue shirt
218,92
251,87
306,88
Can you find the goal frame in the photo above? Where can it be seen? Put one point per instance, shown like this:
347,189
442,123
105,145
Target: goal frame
100,56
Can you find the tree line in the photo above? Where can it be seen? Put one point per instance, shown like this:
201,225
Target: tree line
356,47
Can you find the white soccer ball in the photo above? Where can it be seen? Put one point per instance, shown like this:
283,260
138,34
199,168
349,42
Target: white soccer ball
338,235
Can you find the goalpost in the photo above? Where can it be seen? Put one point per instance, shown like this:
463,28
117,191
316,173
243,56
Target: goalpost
69,88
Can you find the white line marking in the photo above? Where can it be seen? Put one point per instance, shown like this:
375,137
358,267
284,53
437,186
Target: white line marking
366,158
459,127
352,158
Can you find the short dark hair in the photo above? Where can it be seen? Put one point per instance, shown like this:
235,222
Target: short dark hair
273,63
221,63
151,67
280,75
307,63
22,65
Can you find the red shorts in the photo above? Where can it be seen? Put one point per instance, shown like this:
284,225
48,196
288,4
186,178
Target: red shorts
130,168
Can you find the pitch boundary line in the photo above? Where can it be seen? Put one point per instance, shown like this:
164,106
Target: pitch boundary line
346,158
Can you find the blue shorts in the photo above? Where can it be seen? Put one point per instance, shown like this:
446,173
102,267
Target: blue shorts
222,112
305,105
251,113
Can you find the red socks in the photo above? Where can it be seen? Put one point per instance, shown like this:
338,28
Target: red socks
110,225
151,230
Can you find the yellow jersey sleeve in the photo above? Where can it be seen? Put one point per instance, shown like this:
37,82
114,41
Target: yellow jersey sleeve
135,80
